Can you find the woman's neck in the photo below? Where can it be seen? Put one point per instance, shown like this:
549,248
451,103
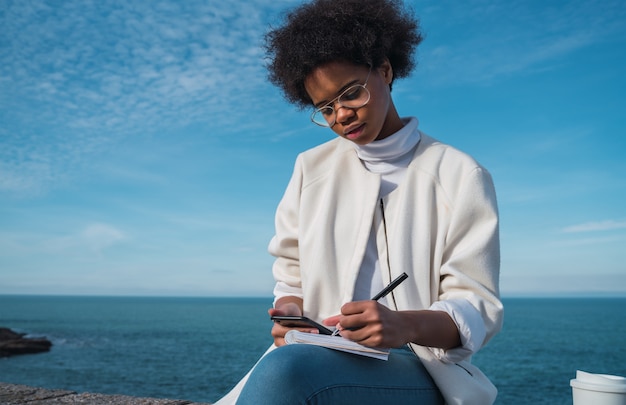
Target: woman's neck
393,123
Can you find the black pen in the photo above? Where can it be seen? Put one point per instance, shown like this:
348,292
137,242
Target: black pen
391,286
384,291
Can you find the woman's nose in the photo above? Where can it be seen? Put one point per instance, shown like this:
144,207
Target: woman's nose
343,114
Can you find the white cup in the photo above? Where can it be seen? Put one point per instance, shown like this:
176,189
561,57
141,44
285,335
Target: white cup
598,389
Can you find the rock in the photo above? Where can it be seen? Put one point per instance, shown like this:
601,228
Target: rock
13,394
15,343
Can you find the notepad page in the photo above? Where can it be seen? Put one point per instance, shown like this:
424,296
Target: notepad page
335,343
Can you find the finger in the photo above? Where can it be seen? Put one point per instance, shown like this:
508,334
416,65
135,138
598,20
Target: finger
332,321
280,340
362,336
279,331
275,311
357,307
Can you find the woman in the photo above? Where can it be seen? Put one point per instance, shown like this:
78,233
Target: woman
381,199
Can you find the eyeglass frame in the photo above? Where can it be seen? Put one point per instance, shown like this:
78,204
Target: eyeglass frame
331,104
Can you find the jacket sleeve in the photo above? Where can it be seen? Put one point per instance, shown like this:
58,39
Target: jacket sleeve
471,259
284,245
470,325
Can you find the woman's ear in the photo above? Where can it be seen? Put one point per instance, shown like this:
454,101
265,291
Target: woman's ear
386,71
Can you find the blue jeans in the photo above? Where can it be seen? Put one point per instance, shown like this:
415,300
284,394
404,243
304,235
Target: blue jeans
308,375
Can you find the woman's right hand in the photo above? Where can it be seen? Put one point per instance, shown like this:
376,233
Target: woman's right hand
286,306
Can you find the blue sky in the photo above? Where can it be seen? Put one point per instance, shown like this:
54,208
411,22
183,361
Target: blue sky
142,151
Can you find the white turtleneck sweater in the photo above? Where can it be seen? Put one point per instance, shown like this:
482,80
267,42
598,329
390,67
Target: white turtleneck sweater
389,158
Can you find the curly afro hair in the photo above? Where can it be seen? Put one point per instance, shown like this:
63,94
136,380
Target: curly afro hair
358,31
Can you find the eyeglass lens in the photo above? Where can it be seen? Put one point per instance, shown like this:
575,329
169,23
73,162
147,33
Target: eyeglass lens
353,97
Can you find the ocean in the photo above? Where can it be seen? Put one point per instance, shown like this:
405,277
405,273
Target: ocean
198,348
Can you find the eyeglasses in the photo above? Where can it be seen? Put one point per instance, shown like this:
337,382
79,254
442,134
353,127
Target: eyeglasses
355,96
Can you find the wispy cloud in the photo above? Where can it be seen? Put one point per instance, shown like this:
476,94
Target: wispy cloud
88,242
599,226
100,236
93,238
77,77
138,63
507,38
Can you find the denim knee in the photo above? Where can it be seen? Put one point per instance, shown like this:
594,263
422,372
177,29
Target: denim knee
280,377
287,364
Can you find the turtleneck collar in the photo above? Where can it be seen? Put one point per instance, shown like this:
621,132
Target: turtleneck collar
394,148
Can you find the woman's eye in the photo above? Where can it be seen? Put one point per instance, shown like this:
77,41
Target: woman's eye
326,111
351,94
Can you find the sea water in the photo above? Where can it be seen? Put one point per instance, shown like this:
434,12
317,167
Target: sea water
198,348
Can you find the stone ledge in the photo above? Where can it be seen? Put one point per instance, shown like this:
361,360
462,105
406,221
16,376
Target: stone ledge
14,394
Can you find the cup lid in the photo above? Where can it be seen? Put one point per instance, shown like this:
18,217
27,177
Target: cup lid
600,379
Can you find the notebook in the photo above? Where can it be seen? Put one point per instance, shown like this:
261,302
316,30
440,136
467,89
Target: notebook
335,343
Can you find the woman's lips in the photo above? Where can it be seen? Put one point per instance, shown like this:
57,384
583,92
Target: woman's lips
355,133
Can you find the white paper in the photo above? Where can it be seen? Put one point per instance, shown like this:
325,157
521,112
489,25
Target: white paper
335,343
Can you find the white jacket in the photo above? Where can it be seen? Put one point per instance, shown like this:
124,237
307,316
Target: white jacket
440,227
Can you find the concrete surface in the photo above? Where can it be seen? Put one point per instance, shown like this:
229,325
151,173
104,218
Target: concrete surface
13,394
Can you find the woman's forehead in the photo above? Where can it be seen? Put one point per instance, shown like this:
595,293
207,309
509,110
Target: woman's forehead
326,80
